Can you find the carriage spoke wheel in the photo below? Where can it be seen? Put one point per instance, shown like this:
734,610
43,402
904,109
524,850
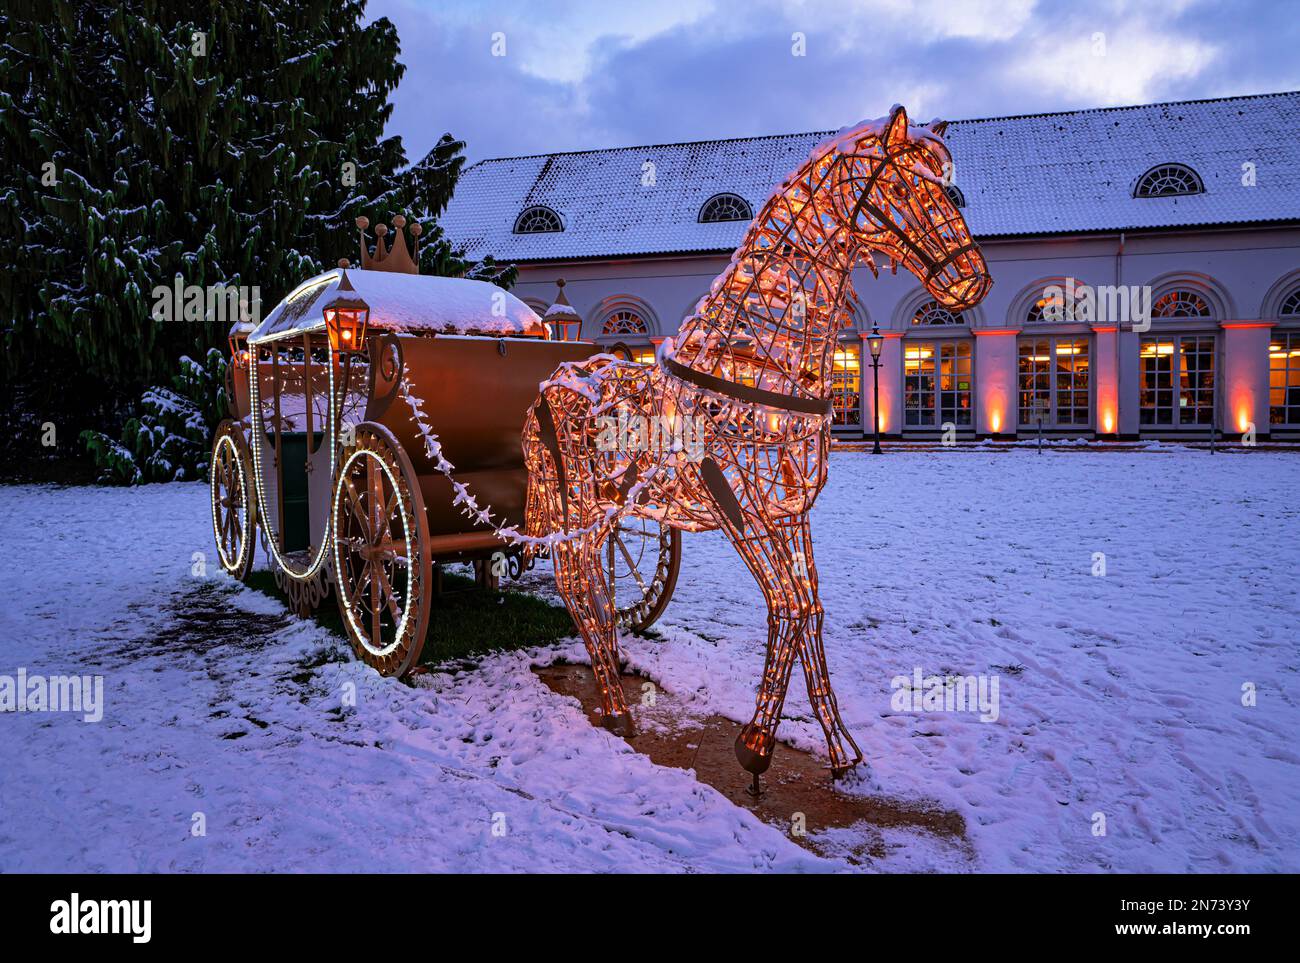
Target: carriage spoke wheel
642,558
382,573
233,516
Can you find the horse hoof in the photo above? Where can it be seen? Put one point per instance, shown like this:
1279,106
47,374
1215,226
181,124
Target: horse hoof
757,760
620,723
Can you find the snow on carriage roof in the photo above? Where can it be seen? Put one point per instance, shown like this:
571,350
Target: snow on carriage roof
406,303
1059,173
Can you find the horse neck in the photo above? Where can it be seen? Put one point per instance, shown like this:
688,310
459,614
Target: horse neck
783,247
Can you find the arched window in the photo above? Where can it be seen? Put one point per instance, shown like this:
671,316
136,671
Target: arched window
538,220
726,207
1290,305
1169,180
624,322
1181,304
955,195
1039,313
934,313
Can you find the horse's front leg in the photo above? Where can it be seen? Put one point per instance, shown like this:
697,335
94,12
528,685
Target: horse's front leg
779,555
813,656
770,561
580,578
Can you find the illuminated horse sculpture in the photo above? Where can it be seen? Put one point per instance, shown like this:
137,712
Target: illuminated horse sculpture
749,375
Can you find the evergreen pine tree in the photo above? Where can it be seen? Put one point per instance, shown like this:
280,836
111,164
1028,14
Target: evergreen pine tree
222,143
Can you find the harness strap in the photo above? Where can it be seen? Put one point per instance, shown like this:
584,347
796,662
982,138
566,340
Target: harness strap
755,396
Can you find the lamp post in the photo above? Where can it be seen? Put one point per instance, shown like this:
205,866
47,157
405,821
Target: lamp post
875,341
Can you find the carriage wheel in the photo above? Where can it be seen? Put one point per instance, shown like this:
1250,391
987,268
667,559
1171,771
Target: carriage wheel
642,558
382,574
234,518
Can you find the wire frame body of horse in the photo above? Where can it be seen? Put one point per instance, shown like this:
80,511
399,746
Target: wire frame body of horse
730,430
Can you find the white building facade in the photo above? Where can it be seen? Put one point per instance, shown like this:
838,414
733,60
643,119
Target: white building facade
1191,208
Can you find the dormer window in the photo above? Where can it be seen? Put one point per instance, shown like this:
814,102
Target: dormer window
538,220
726,207
1169,180
955,195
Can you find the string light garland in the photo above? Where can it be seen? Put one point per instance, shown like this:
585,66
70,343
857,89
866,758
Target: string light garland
754,366
257,434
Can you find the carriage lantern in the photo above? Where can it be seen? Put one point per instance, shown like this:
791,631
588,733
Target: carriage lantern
239,350
346,318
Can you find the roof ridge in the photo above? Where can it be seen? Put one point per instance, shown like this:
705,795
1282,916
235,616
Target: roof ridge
1118,107
827,133
627,147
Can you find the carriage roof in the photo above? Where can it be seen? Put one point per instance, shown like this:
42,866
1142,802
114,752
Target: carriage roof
406,304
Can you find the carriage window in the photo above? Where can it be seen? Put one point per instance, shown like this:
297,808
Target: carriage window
937,378
1169,180
1053,382
625,322
1284,378
1177,381
846,384
934,313
726,207
538,220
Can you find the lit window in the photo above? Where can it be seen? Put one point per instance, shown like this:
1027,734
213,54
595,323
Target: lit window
1181,304
846,384
1166,400
625,322
1284,378
936,383
1169,180
726,207
934,313
1053,382
538,220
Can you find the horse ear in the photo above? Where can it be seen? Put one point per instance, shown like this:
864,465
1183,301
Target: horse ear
938,127
896,129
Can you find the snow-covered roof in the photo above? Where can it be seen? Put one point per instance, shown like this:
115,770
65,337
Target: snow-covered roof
407,303
1058,173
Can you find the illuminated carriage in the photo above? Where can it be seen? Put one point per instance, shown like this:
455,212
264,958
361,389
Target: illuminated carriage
327,455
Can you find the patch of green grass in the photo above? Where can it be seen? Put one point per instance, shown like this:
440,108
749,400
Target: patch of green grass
464,621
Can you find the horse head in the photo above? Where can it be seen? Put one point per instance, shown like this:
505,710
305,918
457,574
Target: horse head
888,190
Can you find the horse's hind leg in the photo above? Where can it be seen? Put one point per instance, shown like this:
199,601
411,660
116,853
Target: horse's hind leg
580,578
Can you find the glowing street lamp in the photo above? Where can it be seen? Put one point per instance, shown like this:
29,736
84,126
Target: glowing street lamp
875,342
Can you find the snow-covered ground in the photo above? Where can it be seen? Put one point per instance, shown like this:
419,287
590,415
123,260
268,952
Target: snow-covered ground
1119,694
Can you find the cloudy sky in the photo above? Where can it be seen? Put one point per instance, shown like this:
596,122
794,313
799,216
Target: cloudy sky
516,77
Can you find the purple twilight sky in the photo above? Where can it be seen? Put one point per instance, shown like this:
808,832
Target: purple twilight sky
607,73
